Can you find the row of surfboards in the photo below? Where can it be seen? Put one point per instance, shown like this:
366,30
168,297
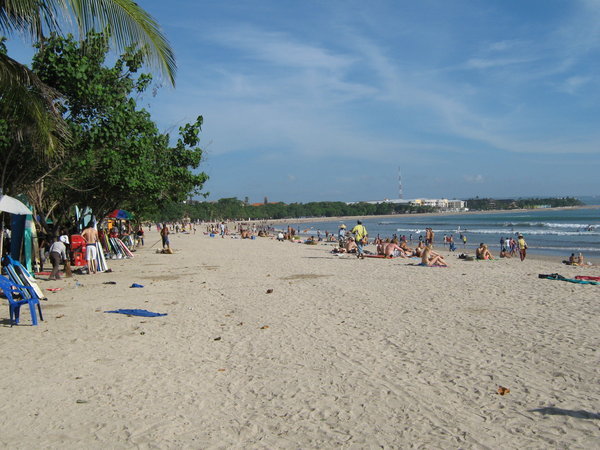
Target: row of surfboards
115,247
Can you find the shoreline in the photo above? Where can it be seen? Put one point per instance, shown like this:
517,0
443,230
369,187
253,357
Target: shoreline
433,214
544,254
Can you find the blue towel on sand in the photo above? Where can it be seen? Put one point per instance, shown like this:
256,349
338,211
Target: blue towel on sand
135,285
136,312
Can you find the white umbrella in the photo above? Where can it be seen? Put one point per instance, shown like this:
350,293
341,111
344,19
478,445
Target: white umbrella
12,206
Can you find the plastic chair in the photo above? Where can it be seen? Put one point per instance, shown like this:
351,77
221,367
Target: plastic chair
11,290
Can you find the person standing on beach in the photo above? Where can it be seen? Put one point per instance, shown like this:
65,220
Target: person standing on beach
522,247
342,235
90,236
360,236
164,234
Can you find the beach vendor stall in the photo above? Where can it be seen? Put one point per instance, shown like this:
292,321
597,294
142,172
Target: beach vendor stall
119,240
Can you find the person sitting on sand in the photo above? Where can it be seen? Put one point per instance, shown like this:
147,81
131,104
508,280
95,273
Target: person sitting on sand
574,260
406,249
430,258
505,253
419,249
482,252
391,250
311,241
351,246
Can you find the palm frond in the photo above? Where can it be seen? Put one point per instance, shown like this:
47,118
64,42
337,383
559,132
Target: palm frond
129,25
27,17
25,99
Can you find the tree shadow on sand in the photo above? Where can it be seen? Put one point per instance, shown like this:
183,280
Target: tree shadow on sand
578,414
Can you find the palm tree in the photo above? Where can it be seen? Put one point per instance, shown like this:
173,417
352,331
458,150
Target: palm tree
127,23
22,92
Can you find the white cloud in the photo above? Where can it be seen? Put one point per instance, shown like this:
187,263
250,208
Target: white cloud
487,63
478,179
280,49
572,84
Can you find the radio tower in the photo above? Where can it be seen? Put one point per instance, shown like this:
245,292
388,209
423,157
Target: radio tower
400,191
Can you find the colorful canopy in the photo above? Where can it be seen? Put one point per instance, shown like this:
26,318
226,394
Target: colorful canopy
120,214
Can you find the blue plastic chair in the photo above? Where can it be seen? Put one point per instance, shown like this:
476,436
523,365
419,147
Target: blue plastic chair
27,296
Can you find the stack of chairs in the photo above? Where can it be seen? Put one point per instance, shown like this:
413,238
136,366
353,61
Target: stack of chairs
17,296
20,288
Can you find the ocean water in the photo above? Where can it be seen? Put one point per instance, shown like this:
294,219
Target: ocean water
552,232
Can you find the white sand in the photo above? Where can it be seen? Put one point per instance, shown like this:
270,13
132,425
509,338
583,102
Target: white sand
357,354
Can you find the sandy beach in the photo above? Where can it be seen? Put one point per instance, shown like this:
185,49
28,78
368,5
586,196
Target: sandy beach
342,353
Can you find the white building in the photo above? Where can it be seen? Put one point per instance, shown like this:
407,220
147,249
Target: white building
441,203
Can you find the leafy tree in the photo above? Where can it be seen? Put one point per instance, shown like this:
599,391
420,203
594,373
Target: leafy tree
117,158
22,95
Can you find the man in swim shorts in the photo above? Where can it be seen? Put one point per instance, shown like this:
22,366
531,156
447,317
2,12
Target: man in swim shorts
90,236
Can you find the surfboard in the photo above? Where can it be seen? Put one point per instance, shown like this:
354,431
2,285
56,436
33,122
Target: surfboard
126,252
17,228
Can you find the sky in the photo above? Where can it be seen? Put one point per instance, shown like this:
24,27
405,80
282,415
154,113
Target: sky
328,100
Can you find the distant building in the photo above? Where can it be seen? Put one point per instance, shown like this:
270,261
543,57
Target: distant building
442,204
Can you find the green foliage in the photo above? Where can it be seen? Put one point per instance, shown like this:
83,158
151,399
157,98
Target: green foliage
234,209
117,158
487,204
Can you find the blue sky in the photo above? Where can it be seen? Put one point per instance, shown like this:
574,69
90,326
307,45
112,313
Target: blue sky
324,100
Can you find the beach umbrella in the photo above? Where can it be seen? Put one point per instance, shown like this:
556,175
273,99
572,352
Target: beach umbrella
12,206
120,214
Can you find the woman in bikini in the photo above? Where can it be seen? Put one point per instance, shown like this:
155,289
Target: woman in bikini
430,258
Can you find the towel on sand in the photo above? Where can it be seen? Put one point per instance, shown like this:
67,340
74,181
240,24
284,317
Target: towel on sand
556,276
136,312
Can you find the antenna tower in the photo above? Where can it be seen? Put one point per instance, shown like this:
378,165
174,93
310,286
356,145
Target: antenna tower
400,191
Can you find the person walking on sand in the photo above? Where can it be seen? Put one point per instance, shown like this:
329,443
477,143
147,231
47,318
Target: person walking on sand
164,234
90,236
522,247
360,236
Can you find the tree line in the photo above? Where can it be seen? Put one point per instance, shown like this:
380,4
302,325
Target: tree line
235,209
486,204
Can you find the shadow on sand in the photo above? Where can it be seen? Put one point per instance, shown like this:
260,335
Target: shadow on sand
579,414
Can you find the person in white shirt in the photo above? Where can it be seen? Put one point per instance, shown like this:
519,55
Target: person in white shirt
58,253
